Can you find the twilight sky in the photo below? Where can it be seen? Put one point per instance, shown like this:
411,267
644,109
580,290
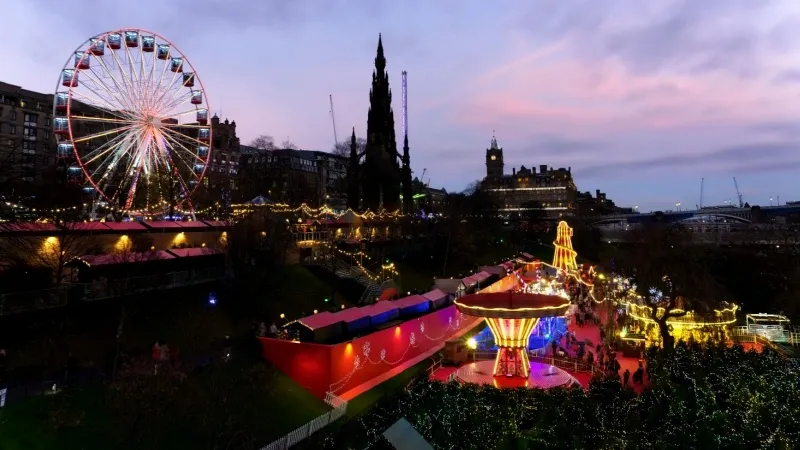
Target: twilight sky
641,98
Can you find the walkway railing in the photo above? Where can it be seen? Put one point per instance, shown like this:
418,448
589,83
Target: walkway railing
311,236
776,336
294,437
437,364
18,302
540,355
3,397
566,363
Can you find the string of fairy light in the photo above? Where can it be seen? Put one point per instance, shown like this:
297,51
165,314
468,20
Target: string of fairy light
722,395
740,391
321,212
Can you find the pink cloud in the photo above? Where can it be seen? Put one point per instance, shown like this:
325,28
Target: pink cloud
567,93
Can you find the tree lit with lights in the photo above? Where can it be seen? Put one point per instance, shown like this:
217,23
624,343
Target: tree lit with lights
699,397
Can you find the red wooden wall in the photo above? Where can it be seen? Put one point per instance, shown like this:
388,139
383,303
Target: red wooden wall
341,367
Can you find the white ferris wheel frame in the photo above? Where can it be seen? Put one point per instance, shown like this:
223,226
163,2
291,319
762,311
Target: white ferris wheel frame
172,141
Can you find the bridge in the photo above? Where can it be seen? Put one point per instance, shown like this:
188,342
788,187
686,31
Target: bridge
713,215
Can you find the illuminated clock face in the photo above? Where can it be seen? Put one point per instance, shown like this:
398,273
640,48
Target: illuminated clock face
494,157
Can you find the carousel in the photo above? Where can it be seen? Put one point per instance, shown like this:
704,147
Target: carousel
512,317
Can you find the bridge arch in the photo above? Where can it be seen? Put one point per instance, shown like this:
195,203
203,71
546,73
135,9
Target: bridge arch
714,218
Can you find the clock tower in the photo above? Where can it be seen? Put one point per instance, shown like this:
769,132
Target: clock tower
494,160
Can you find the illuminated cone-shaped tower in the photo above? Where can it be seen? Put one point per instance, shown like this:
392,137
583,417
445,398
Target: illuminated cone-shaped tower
564,258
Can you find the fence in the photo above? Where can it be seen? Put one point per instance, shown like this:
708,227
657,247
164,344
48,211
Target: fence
781,336
3,397
339,409
539,355
18,302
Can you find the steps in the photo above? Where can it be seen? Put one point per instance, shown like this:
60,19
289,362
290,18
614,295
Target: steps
373,286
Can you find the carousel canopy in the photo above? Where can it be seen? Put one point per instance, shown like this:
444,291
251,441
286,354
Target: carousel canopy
512,305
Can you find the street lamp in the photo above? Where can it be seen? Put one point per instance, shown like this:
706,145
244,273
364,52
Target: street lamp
472,345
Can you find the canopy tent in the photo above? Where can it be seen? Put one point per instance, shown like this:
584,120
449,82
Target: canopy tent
437,297
260,200
452,286
528,256
412,305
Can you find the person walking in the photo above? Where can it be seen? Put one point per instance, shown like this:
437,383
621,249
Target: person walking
625,377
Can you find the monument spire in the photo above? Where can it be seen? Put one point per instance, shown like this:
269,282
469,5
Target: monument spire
381,173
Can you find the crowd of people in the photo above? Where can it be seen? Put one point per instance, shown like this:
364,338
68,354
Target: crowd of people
603,355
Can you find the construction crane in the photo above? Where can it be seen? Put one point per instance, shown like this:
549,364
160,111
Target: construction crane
422,178
405,103
702,182
738,194
333,120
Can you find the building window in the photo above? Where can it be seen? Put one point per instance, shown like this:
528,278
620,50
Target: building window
28,131
47,122
13,115
47,135
31,119
13,129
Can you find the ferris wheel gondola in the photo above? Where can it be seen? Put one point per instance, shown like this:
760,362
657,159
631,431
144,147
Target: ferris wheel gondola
132,112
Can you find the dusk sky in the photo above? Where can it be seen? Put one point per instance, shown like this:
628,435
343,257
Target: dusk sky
641,98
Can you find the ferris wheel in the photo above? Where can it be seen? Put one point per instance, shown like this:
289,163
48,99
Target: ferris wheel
132,113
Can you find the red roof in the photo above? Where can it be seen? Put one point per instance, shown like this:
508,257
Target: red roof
125,226
162,224
436,294
216,223
326,318
320,320
124,258
194,251
475,278
378,308
411,300
16,227
88,226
